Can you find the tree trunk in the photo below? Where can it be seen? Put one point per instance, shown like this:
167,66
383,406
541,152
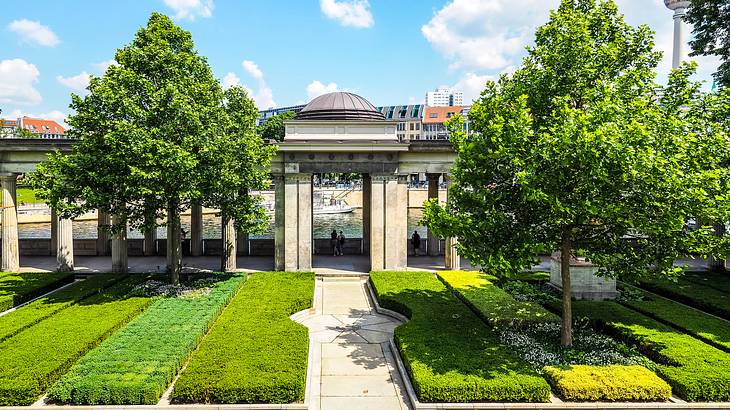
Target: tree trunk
566,327
228,242
717,264
174,247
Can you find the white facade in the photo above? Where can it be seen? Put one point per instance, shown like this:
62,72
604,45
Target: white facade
444,97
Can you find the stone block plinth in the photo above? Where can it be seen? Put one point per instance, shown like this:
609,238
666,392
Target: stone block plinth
585,283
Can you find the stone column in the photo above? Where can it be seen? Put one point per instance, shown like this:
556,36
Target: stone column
65,245
366,198
10,259
293,236
102,235
150,242
54,232
196,230
388,222
228,243
120,261
432,242
451,256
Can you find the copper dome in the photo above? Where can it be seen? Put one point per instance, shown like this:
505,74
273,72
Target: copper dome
340,106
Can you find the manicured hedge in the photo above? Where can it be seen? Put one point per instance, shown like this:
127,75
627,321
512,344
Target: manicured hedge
153,347
36,357
18,288
450,354
703,297
710,329
607,383
45,307
495,306
695,370
717,280
254,353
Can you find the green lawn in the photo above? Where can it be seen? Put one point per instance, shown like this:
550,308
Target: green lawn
27,196
705,297
254,353
153,348
18,288
450,354
36,357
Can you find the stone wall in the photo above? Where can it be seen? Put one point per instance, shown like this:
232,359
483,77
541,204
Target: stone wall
584,282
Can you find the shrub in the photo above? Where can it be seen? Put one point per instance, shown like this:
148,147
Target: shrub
607,383
701,296
495,306
153,347
695,370
716,280
45,307
33,359
708,328
18,288
528,292
254,353
449,353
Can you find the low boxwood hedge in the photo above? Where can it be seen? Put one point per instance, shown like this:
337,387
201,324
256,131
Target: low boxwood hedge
153,347
607,383
710,329
695,370
35,358
701,296
18,288
254,353
450,354
47,306
492,304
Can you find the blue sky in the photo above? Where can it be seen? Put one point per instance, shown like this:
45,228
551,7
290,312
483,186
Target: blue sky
287,52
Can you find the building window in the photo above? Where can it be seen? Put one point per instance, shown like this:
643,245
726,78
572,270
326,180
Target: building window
433,115
418,126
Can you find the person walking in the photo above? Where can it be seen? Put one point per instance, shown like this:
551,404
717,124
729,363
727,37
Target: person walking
416,242
341,243
333,242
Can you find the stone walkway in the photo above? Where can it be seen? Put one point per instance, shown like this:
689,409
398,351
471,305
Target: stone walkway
356,368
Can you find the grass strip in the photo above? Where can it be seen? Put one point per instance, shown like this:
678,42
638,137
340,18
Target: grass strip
495,306
708,328
47,306
695,370
607,383
153,348
703,297
34,359
254,353
450,354
18,288
717,280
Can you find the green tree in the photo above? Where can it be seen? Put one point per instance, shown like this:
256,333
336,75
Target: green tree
273,127
574,152
153,136
711,28
24,133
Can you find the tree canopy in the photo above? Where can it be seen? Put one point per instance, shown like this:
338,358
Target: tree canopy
156,133
273,127
574,151
711,28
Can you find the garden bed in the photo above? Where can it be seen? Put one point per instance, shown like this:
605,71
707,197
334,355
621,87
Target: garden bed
254,353
703,297
153,347
18,288
450,355
607,383
35,358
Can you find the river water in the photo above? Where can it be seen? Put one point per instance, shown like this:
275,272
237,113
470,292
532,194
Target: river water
350,224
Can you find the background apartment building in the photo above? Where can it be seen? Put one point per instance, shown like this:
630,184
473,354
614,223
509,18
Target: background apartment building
408,119
444,97
434,121
46,129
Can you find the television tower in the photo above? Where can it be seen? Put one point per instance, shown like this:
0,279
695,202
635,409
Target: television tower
680,9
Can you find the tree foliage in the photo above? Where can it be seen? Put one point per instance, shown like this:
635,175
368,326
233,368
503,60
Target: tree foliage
574,151
273,127
156,133
711,22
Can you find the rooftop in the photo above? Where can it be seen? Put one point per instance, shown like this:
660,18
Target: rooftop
340,106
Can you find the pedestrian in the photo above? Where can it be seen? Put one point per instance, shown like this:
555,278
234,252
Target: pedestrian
333,242
341,243
416,242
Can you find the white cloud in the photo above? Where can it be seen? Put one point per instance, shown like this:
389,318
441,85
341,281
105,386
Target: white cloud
472,85
353,13
252,69
77,83
54,115
190,9
34,32
317,88
103,65
230,80
17,80
263,96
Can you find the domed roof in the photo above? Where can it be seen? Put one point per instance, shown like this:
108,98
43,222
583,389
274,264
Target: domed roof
340,106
